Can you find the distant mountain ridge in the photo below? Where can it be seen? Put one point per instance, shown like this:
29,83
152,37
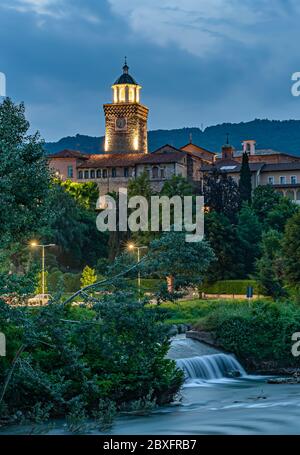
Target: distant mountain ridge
279,135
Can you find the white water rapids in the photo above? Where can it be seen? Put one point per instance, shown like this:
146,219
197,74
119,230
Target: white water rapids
214,400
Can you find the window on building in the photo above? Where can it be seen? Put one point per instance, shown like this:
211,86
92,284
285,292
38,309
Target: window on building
122,94
294,179
114,172
248,147
86,174
282,180
131,95
271,180
80,175
92,174
291,195
298,195
98,173
70,172
162,173
126,172
104,173
155,172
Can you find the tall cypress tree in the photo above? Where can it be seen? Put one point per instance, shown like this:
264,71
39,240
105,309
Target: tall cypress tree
245,185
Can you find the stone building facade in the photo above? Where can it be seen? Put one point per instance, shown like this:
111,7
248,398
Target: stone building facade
268,167
126,153
126,149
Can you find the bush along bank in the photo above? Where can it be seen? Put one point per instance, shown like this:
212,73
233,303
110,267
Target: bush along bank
76,362
259,333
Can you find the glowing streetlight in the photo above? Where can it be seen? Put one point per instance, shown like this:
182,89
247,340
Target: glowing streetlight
132,247
35,244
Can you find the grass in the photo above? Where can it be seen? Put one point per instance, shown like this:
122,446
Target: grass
191,311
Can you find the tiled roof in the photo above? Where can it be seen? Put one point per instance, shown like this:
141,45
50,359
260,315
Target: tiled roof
231,166
68,154
260,152
131,159
293,166
234,166
201,149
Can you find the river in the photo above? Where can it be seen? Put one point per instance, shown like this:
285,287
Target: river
213,404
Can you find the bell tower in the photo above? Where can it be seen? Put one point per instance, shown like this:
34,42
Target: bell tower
126,118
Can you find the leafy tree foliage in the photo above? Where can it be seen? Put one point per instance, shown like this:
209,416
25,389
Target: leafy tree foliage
249,231
59,355
24,176
269,266
88,276
222,195
177,186
223,238
73,228
245,184
85,194
171,256
278,216
291,250
265,199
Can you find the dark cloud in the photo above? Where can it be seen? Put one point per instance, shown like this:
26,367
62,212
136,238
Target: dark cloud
206,62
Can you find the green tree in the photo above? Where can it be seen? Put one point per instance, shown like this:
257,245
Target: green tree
88,276
249,231
223,238
174,259
140,186
264,200
177,186
291,250
222,194
269,266
245,184
24,176
279,215
85,194
73,228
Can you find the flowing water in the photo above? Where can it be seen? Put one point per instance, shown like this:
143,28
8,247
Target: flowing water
218,397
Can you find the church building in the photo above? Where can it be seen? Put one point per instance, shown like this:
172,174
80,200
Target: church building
126,153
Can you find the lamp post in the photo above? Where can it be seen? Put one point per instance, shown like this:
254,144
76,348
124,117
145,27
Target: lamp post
34,244
132,247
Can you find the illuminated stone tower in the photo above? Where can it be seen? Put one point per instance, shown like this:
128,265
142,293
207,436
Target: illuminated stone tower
126,118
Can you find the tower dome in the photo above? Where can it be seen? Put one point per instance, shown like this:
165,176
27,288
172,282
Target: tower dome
126,89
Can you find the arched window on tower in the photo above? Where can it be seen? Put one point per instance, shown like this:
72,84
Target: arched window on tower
131,95
122,94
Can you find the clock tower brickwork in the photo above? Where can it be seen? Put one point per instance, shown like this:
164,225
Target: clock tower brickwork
126,118
126,128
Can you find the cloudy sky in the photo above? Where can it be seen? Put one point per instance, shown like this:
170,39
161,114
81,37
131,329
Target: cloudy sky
199,61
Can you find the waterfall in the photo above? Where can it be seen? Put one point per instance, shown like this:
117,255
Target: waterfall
207,367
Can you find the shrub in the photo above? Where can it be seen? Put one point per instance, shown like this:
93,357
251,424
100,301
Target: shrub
237,287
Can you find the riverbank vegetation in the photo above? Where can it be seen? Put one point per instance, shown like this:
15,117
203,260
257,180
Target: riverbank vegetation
259,332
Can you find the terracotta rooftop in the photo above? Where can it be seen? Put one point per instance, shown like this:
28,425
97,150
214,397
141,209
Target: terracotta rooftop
131,159
69,154
198,150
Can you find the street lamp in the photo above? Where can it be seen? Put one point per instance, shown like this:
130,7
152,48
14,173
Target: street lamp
35,244
132,247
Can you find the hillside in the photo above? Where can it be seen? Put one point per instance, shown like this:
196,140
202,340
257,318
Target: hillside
278,135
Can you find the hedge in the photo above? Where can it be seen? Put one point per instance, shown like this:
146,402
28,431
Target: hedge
238,287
